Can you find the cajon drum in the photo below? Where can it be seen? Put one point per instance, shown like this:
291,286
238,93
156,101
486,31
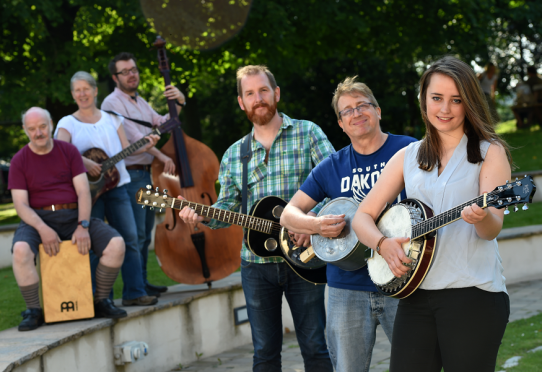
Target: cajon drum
66,284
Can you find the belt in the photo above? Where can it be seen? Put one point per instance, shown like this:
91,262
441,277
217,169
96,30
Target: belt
146,167
56,207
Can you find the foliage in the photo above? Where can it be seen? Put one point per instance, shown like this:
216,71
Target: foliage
309,45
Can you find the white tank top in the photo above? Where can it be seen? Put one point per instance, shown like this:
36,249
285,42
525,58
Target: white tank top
486,83
462,259
102,135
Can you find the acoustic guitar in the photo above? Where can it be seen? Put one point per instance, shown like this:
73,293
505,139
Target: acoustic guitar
265,237
109,176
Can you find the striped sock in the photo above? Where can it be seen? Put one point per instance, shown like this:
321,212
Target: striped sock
31,295
105,278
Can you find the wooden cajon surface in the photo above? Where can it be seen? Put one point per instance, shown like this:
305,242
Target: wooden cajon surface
66,284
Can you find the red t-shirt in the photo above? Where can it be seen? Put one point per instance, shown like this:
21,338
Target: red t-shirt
47,178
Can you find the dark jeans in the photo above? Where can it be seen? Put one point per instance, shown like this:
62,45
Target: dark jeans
116,207
144,217
264,285
459,329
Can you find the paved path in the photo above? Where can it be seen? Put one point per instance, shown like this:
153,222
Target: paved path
525,301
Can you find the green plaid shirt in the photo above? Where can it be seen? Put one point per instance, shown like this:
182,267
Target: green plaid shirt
299,146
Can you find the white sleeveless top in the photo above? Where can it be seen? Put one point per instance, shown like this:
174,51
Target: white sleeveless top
486,83
102,135
462,259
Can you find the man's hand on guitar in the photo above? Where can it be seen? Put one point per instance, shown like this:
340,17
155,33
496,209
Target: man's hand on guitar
50,240
300,240
93,168
188,215
392,251
330,226
82,238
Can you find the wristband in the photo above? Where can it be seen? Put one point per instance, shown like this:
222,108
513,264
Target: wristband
182,104
380,243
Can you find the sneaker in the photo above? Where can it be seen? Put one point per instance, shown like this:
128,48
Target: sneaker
105,308
32,319
140,301
156,288
152,293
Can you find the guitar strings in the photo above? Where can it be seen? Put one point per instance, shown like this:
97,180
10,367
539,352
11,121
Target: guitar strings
430,222
251,222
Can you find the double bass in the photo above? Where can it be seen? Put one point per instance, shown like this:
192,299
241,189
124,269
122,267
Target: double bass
186,253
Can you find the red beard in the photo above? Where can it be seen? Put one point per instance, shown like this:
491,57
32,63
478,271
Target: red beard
265,118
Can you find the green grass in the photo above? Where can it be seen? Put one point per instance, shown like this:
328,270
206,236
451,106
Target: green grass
12,303
532,216
526,145
521,336
155,276
8,215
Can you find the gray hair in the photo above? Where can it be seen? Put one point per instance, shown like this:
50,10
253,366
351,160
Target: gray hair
85,76
43,111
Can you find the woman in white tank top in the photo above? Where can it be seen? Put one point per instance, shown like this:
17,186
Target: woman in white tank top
488,82
457,318
90,127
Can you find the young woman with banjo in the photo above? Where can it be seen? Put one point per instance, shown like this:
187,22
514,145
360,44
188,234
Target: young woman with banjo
457,317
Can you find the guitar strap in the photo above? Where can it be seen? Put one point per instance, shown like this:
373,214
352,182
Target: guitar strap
140,122
246,154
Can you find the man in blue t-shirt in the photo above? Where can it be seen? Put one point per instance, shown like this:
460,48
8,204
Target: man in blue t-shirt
355,307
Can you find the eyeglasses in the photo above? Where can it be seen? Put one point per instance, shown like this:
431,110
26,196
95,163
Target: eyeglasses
133,70
361,108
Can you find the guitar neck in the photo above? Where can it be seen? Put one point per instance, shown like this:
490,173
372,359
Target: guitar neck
110,163
436,222
233,218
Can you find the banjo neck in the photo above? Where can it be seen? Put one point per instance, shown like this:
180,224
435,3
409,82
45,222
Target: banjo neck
445,218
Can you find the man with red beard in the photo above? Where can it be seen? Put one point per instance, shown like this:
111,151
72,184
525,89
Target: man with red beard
284,151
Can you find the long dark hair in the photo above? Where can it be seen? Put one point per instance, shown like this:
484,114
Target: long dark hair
479,124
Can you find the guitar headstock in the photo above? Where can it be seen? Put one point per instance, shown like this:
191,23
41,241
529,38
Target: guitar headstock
147,197
512,193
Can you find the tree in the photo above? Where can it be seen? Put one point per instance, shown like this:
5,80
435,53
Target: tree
309,45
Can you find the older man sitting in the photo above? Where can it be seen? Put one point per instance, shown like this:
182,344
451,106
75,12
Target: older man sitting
51,194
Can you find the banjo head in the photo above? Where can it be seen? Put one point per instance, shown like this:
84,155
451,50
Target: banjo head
396,222
336,249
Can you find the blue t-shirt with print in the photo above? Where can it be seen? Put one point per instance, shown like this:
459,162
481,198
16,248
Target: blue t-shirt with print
349,174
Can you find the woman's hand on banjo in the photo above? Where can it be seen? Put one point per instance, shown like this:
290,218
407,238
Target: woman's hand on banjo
392,251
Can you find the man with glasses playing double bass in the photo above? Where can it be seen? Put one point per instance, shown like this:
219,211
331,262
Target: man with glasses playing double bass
355,307
125,101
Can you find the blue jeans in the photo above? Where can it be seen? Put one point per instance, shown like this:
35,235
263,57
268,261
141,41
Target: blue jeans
351,326
264,285
115,206
144,217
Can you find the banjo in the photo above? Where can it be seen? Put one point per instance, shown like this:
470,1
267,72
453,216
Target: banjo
345,250
413,219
